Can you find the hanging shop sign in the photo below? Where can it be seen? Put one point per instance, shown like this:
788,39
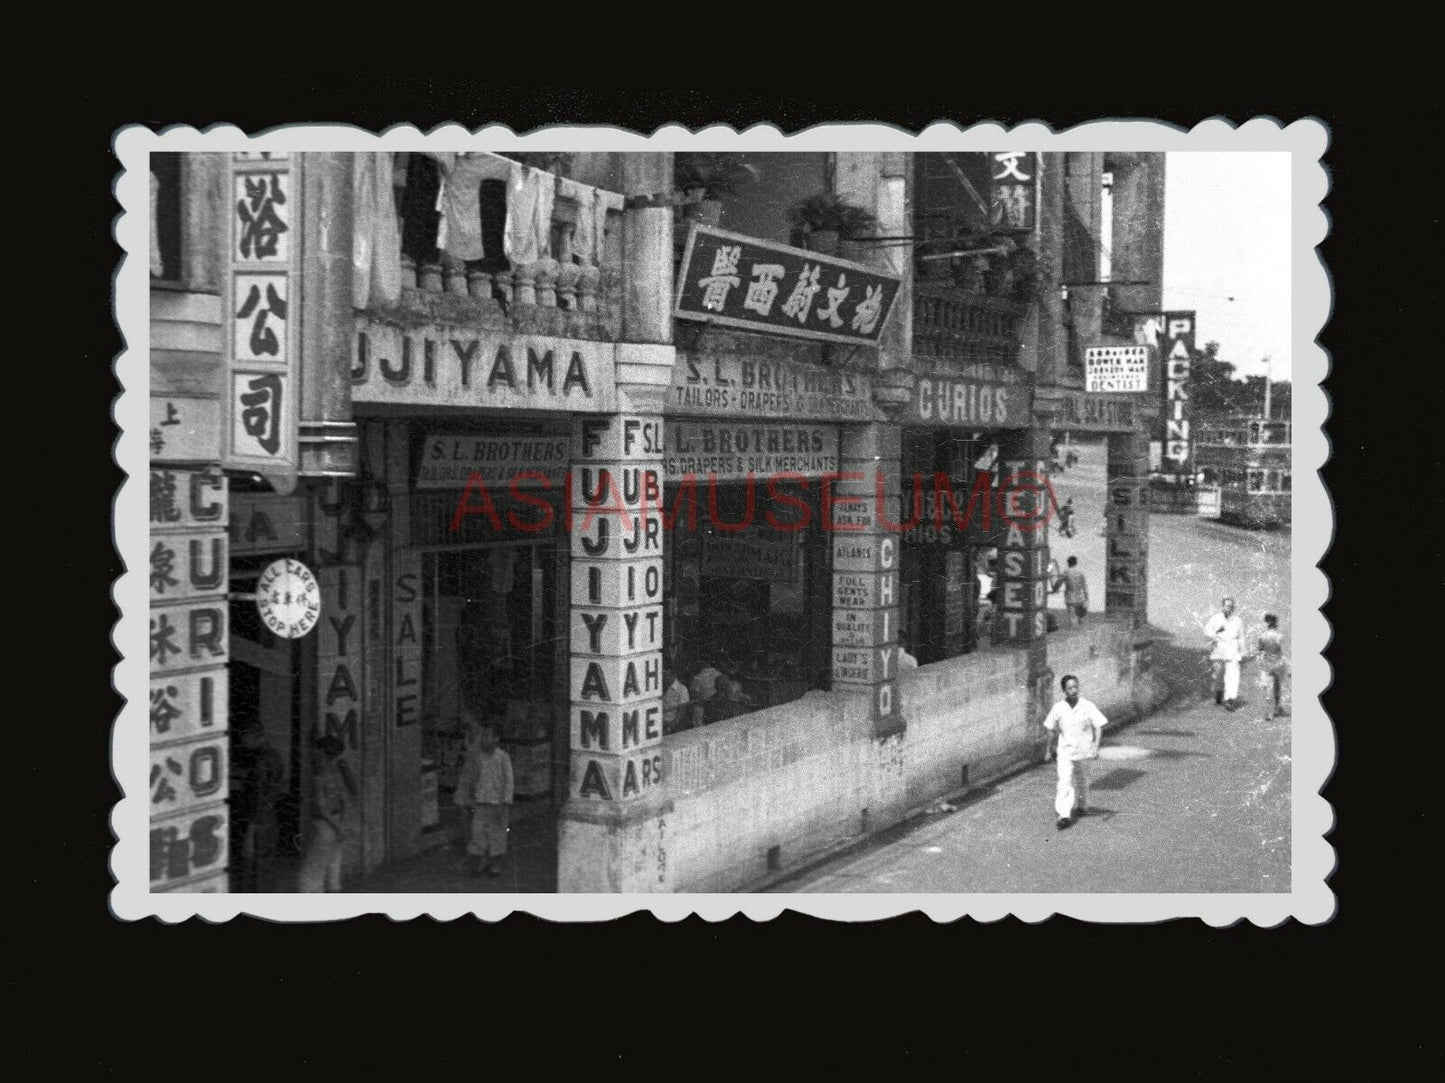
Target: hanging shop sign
735,450
1080,411
731,386
260,328
288,597
267,523
1177,348
441,365
448,460
1015,189
737,281
969,402
751,554
1116,368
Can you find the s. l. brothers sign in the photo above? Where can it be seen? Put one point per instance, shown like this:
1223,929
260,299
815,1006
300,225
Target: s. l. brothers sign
438,365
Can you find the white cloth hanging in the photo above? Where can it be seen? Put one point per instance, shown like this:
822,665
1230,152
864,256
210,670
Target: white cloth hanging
530,195
459,232
376,237
584,236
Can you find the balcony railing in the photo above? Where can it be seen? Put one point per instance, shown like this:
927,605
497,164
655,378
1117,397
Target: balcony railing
569,292
952,326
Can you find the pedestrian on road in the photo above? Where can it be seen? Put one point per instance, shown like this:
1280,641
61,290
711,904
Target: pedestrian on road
1066,518
1079,726
1269,648
1076,591
1226,631
485,787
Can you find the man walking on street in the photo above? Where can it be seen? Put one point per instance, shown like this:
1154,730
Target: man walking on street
1078,725
1076,591
1226,631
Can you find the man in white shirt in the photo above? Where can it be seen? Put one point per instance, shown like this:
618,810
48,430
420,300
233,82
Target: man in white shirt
1079,726
1226,631
674,698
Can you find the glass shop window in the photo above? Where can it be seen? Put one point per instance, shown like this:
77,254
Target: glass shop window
748,610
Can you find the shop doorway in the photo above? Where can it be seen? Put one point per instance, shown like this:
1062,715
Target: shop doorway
494,648
266,756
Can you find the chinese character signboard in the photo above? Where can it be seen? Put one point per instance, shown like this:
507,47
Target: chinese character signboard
1116,368
738,281
260,330
1015,188
188,690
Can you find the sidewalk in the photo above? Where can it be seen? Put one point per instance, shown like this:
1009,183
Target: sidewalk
1192,798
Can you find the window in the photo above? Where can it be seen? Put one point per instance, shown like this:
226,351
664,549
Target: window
752,605
165,255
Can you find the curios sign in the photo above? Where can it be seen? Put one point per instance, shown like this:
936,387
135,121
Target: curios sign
288,597
743,282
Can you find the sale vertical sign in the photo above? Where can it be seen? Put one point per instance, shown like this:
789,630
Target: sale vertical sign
1177,350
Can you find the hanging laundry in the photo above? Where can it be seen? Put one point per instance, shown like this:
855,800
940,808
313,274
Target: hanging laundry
530,195
458,202
584,236
375,238
158,265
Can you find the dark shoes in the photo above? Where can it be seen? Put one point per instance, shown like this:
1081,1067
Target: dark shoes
1219,697
1231,705
1064,822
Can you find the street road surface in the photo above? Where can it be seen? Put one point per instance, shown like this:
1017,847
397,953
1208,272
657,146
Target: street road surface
1191,799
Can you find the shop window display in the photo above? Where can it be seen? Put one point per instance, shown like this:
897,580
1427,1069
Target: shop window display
749,607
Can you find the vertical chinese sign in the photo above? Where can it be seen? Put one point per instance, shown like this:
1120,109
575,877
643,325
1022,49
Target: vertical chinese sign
188,654
1177,350
1015,189
260,331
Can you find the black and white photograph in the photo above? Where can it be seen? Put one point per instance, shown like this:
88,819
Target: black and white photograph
854,522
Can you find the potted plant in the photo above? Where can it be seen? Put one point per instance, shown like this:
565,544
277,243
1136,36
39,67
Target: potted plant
703,177
821,220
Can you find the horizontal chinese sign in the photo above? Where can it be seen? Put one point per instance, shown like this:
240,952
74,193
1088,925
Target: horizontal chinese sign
184,429
449,459
730,386
188,774
739,281
1116,368
189,845
735,450
442,365
751,554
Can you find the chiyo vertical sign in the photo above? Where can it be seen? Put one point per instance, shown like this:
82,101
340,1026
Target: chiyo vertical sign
260,297
1177,348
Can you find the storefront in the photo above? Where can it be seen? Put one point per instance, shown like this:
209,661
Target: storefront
470,434
954,427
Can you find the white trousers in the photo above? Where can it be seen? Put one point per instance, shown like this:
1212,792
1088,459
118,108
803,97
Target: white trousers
1073,791
321,864
1230,672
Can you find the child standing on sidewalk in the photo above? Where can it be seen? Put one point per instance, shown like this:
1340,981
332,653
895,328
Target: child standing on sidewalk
485,787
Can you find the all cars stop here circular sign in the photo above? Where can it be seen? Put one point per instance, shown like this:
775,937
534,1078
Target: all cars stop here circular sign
288,598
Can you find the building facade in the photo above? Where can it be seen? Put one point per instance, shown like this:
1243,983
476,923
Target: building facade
442,437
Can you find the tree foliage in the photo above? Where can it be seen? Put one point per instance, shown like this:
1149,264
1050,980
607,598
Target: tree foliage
1217,393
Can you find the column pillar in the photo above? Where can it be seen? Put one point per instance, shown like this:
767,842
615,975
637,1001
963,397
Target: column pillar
611,835
858,510
1126,587
1023,559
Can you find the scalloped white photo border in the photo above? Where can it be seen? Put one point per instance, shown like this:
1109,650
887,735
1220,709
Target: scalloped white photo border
1310,899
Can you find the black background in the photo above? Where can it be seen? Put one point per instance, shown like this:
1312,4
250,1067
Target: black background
1179,999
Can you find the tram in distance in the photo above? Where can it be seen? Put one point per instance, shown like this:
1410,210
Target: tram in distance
1248,460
